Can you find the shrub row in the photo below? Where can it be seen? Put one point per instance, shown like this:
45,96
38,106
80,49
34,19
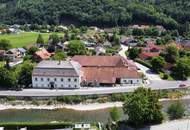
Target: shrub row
143,63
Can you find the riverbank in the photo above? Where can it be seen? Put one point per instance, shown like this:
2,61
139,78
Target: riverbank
77,107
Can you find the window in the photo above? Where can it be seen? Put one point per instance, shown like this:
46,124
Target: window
47,79
75,80
61,79
69,80
42,79
69,86
55,79
62,86
36,79
75,86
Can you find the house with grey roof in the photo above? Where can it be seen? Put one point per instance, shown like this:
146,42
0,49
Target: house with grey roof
56,75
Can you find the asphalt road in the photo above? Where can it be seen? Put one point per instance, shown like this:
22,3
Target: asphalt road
156,85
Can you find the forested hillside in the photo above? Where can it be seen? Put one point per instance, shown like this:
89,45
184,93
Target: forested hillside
170,13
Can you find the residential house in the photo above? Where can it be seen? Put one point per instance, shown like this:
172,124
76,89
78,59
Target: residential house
42,54
150,50
56,75
107,44
89,43
129,41
100,50
184,43
107,70
15,54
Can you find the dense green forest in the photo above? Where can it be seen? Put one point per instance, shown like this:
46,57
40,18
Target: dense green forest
170,13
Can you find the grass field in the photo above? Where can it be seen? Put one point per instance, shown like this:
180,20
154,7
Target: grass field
24,39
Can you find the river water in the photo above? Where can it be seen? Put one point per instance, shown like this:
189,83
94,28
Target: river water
63,115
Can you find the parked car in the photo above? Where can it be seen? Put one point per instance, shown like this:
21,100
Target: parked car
182,85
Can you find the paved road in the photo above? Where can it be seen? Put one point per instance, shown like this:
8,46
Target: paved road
123,50
173,125
89,91
149,74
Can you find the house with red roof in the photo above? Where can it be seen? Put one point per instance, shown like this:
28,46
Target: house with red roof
150,50
108,70
42,54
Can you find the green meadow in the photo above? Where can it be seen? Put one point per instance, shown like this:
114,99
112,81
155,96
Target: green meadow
24,39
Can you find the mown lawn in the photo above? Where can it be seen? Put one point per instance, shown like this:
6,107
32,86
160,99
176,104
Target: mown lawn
24,39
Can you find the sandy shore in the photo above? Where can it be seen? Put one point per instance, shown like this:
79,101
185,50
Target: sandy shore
78,107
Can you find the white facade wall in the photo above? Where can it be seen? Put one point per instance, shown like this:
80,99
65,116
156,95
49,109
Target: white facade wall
131,81
59,82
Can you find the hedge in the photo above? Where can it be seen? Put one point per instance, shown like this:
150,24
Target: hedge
36,125
143,63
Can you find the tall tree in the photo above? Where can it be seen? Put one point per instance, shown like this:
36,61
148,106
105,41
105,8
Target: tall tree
5,44
181,70
25,74
40,39
76,48
7,78
143,108
157,63
171,54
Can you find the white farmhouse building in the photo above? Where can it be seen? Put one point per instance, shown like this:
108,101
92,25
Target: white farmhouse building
55,74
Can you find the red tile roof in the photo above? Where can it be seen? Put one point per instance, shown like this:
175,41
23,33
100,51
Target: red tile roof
43,54
106,61
108,75
145,55
106,69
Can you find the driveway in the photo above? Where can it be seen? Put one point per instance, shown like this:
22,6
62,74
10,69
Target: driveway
149,74
123,50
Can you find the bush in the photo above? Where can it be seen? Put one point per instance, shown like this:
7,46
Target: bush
165,76
11,98
176,110
115,114
144,63
34,102
50,102
117,97
71,99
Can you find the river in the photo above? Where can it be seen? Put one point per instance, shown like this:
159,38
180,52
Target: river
34,115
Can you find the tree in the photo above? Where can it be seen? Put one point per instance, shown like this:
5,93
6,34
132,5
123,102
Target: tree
181,70
176,110
157,63
115,114
116,39
7,78
25,74
59,55
171,54
54,39
32,50
76,48
138,32
143,108
40,39
5,44
133,53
